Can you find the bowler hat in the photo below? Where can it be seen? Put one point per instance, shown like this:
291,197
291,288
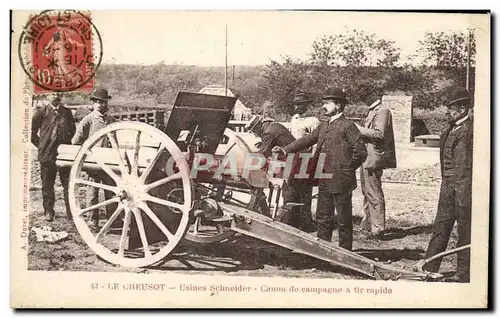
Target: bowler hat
335,93
301,98
457,95
101,94
365,89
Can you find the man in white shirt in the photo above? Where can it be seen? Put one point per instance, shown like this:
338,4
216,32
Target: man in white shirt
300,126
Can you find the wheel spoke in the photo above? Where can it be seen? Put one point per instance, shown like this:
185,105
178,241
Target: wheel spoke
142,232
163,181
104,167
108,223
114,144
125,230
97,185
100,204
135,165
170,204
196,225
149,168
156,220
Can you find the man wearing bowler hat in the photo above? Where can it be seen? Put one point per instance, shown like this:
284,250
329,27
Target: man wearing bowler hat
339,152
378,133
94,121
455,198
300,125
56,126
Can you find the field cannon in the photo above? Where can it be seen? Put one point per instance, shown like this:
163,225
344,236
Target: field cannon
180,184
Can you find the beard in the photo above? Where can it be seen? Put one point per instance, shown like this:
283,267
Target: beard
456,117
331,113
300,109
102,110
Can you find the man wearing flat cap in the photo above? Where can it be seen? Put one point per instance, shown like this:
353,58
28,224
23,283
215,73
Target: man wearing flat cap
455,198
51,126
378,133
339,152
275,134
94,121
270,132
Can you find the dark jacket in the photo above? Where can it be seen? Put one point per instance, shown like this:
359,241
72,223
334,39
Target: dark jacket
462,156
274,134
344,152
55,127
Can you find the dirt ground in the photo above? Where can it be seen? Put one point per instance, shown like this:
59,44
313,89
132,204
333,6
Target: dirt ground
411,207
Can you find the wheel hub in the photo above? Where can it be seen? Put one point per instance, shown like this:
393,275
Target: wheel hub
123,195
132,192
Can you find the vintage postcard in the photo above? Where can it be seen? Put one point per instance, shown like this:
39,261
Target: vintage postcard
249,159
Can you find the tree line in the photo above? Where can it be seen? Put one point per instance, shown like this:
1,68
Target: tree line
347,60
343,60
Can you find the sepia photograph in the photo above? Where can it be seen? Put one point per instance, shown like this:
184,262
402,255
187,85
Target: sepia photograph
251,159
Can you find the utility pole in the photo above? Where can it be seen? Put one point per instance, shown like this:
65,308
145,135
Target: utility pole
468,60
226,61
233,74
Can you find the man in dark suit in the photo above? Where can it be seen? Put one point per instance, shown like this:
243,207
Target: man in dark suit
378,133
51,126
275,134
455,198
339,153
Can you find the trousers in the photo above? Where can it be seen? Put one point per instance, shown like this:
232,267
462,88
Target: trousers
94,195
328,203
452,207
48,171
373,201
299,191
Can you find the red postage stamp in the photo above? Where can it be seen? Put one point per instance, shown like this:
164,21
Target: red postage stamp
59,53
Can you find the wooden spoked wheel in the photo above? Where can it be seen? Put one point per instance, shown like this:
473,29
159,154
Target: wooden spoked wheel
132,162
206,232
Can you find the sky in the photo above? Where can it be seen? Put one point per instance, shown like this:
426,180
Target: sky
254,37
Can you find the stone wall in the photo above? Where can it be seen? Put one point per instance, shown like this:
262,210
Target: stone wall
401,109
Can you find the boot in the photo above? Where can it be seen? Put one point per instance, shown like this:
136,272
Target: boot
93,222
284,215
49,216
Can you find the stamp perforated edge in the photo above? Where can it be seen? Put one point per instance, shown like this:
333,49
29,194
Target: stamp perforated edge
26,51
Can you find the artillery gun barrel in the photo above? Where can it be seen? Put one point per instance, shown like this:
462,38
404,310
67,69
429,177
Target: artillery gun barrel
67,153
